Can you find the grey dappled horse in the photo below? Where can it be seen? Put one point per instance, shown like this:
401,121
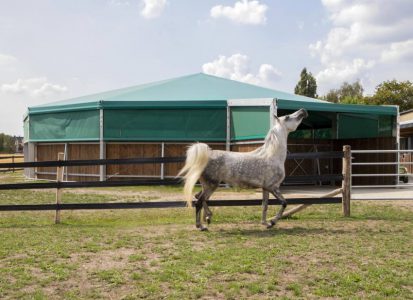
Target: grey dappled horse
261,168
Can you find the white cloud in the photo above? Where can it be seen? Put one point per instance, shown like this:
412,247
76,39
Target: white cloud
244,12
237,67
7,59
364,35
33,87
344,71
153,8
398,51
119,2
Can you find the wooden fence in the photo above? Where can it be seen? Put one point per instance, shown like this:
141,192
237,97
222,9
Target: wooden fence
12,159
59,184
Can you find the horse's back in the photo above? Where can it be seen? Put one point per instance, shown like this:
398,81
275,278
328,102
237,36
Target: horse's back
245,169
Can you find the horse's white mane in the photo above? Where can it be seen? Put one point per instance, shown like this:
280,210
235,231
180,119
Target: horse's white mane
272,144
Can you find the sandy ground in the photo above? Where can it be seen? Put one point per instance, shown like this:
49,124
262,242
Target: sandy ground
401,194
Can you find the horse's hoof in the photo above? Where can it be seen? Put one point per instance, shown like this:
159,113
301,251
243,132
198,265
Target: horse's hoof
270,225
201,227
208,219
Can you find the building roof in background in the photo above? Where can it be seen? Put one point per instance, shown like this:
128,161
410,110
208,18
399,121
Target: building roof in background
197,90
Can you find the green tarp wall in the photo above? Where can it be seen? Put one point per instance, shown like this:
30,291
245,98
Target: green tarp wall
249,122
67,126
165,125
195,124
351,126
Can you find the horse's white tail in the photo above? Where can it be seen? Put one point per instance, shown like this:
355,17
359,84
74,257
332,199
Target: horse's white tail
196,161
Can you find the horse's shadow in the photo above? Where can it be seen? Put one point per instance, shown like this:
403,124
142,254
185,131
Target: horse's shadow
293,231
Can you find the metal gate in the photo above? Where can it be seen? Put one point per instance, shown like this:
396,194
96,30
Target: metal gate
393,181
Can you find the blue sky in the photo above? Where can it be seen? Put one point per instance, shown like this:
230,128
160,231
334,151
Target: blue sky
51,50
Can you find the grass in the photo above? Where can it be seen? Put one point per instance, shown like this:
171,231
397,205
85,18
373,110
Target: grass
156,254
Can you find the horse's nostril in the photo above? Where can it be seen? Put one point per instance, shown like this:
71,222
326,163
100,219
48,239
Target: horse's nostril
305,113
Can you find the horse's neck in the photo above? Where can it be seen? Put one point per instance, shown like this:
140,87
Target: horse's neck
275,145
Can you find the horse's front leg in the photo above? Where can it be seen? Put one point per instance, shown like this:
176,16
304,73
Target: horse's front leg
265,197
277,193
207,212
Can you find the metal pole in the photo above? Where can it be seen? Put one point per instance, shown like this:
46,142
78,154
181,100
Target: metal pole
65,158
228,138
162,164
398,145
102,147
59,178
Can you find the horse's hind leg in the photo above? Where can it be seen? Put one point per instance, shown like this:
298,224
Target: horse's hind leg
211,189
207,191
207,211
198,207
277,193
207,216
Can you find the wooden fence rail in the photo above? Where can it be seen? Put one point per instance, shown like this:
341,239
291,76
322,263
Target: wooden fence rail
59,185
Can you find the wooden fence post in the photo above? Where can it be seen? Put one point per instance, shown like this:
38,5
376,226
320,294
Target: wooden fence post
346,185
59,178
12,160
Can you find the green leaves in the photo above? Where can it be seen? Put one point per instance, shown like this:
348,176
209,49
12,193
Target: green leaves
307,86
394,92
391,92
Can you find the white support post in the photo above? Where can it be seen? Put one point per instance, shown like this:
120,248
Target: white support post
162,164
228,138
398,145
65,158
30,155
59,178
34,170
102,148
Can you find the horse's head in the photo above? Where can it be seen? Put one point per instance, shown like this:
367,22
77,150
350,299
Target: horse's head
291,122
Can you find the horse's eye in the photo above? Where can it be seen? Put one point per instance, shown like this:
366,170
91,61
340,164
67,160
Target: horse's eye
287,117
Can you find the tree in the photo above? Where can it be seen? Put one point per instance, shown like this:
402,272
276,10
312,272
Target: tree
347,93
394,93
6,143
307,85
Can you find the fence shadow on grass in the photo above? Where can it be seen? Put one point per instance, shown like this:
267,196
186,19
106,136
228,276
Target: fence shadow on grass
293,231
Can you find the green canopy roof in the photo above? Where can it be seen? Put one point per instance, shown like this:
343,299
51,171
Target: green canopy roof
192,107
197,90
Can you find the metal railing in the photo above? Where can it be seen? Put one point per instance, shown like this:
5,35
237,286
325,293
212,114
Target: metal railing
393,176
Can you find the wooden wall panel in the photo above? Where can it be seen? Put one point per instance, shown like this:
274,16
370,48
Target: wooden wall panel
47,152
83,152
114,151
75,151
123,150
173,150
